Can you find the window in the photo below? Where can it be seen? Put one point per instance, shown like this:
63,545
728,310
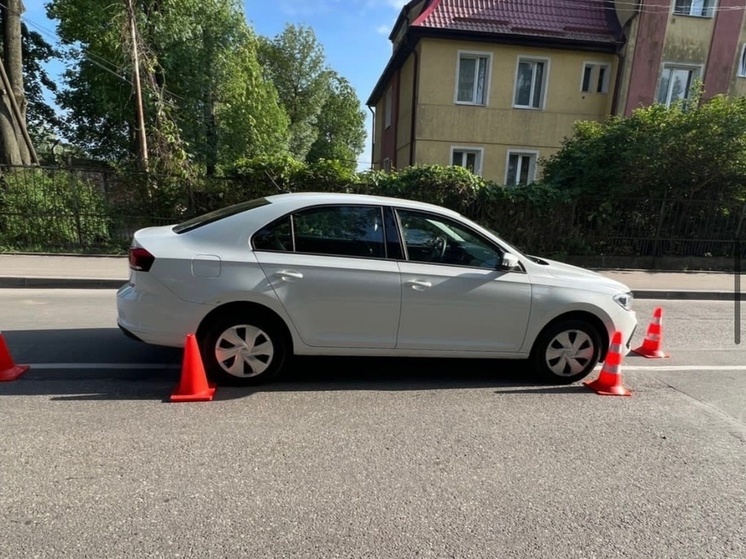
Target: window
701,8
387,164
595,77
471,158
335,230
472,78
676,81
530,83
389,108
521,167
435,239
217,215
742,62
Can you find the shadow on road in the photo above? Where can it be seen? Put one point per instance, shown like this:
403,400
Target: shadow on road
122,374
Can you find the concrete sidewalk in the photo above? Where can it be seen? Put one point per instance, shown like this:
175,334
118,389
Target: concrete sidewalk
110,272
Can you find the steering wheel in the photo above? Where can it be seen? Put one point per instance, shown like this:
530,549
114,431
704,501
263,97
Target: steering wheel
440,245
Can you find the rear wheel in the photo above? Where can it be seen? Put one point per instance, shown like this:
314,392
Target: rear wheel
243,350
567,351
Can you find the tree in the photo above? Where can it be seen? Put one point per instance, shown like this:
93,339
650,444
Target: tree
14,147
295,62
206,100
689,150
340,126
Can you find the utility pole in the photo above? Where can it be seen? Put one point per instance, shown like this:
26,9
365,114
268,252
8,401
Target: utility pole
138,89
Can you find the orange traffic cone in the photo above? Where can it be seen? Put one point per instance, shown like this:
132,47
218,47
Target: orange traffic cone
609,382
651,345
193,386
8,369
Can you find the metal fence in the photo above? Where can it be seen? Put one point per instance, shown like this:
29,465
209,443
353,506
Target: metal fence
98,210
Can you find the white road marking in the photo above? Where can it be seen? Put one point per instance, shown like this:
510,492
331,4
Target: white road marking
123,366
148,366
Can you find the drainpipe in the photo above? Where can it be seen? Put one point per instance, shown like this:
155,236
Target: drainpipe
620,65
415,95
372,136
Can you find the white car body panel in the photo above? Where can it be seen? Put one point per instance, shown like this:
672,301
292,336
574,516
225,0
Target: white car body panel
337,301
462,309
337,308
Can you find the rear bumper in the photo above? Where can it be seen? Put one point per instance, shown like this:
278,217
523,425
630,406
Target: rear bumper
157,318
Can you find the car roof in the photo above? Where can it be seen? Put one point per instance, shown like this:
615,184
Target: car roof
298,199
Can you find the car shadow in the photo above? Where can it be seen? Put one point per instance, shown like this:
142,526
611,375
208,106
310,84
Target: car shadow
103,364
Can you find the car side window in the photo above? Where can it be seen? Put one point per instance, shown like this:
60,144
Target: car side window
276,236
438,240
340,231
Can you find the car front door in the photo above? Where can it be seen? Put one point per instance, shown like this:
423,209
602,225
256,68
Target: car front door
453,296
329,269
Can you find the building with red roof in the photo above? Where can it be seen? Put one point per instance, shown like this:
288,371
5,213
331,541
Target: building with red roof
496,85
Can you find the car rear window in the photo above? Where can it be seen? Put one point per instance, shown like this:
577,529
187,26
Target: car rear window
217,215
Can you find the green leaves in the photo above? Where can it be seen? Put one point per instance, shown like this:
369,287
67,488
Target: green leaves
686,151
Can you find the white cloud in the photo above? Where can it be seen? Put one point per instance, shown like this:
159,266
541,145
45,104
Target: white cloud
383,29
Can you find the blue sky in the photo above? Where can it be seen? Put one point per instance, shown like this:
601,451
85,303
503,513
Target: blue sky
354,34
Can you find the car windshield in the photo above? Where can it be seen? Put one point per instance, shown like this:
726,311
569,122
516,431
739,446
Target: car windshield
217,215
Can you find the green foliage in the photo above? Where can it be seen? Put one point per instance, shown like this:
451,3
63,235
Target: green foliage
453,187
686,151
206,99
295,62
340,125
41,210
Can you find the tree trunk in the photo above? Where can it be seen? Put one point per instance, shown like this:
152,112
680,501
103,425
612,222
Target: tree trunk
14,146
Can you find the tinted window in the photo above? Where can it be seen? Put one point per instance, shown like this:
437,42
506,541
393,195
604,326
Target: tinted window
340,230
434,239
275,236
217,215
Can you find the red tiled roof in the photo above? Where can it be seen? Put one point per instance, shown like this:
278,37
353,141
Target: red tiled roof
583,20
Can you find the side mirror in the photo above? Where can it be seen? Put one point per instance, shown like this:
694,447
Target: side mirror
509,262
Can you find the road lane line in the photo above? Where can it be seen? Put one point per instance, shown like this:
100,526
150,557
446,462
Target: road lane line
146,366
123,366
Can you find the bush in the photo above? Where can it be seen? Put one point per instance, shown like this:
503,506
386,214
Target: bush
44,210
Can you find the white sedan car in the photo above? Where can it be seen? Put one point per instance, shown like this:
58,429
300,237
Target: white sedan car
345,274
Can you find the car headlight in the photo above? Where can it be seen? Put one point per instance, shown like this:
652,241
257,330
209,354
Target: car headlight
624,300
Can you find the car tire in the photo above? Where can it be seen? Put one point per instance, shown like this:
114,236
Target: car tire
243,350
567,351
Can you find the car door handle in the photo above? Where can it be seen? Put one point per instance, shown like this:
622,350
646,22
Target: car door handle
419,285
289,275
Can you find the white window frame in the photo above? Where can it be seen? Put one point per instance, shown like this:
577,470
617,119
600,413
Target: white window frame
742,62
487,77
696,70
388,108
534,163
595,67
544,85
698,5
479,152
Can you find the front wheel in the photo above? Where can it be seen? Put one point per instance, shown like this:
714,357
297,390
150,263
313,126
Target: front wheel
567,351
244,351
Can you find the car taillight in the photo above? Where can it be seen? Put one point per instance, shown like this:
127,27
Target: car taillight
140,259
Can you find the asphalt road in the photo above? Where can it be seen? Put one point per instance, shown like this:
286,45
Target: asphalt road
366,458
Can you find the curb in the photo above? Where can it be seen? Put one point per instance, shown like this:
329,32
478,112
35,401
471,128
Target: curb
60,283
90,283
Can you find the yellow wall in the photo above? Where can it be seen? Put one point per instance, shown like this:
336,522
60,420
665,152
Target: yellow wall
688,39
497,127
404,124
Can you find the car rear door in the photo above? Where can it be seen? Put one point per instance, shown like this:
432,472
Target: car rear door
329,269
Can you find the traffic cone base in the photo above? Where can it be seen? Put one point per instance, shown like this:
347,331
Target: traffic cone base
8,369
193,386
609,382
655,354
